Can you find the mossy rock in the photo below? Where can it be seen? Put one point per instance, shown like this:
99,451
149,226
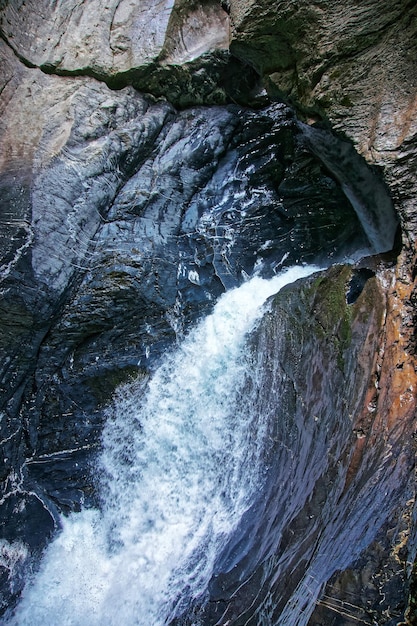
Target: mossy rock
319,310
105,383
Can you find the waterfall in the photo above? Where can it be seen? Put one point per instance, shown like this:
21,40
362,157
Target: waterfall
179,468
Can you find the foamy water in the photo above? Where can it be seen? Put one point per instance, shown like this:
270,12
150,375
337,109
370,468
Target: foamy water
178,470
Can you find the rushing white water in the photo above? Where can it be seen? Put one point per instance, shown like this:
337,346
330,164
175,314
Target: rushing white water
179,468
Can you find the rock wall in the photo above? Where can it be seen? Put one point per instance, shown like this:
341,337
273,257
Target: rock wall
174,48
126,209
354,67
339,479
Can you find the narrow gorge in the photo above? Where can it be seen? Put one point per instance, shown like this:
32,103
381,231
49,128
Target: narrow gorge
208,312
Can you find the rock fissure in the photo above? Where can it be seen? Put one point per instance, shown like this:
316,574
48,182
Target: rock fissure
21,58
124,219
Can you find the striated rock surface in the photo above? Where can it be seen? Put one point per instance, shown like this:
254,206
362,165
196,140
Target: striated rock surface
113,37
351,64
354,67
122,219
175,48
339,483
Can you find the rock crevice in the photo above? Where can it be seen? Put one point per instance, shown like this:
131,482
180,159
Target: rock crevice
124,216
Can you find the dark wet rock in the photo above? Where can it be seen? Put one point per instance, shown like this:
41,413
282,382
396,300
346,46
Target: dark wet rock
27,523
357,283
122,220
353,67
127,220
